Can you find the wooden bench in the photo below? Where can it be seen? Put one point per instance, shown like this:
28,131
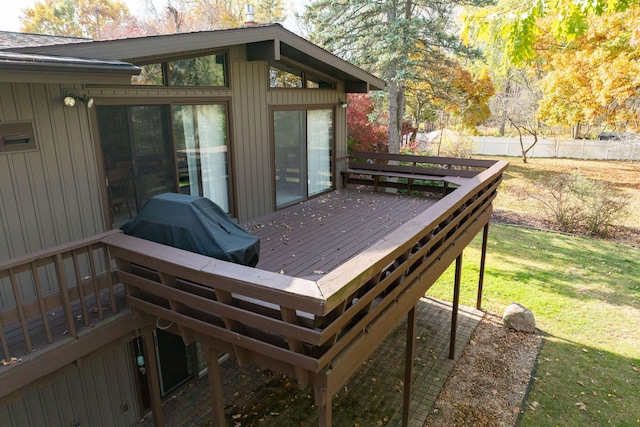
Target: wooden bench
434,174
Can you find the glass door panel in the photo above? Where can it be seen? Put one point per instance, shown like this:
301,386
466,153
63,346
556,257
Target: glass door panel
153,164
176,363
319,143
290,156
200,133
137,155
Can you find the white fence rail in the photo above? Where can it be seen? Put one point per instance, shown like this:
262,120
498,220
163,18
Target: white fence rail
566,148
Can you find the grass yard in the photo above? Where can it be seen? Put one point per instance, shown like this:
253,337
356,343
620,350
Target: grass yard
585,294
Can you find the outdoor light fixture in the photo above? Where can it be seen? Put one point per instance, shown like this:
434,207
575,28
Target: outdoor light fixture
343,104
70,100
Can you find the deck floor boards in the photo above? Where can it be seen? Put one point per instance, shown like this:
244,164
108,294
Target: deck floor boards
318,235
304,240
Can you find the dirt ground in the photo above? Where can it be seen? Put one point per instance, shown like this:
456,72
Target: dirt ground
487,386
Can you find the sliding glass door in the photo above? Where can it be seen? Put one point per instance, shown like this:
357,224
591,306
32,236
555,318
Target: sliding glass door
303,140
153,149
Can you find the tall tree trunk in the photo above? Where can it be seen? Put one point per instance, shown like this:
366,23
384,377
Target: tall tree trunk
394,113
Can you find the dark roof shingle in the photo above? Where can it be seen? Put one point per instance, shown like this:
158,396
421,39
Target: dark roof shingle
12,40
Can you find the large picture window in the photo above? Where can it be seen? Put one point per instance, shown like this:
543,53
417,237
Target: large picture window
303,142
282,75
209,70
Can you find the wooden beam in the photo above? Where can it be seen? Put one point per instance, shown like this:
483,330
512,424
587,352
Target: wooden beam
215,385
154,378
356,86
408,364
323,402
454,308
268,50
483,257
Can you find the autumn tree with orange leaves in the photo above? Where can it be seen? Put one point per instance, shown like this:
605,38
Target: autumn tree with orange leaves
595,79
109,19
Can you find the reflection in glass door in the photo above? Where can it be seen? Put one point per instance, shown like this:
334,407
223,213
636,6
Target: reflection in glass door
303,141
200,133
137,155
291,159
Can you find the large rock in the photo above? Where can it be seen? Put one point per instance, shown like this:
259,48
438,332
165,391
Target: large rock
519,318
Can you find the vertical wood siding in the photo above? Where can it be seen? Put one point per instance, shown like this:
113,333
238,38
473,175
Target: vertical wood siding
253,149
251,139
91,393
49,196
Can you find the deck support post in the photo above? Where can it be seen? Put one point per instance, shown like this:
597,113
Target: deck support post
408,364
215,385
154,379
483,256
323,402
454,308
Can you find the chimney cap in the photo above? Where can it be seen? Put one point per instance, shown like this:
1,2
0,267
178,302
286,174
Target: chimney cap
249,15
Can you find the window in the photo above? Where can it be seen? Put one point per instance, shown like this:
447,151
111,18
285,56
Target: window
201,71
207,70
286,76
150,75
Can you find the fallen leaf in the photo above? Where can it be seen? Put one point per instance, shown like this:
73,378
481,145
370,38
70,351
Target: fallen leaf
581,405
9,362
581,383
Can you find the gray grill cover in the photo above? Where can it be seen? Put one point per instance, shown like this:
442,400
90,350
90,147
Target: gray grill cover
194,224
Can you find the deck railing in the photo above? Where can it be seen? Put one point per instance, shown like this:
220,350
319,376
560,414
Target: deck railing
49,295
320,331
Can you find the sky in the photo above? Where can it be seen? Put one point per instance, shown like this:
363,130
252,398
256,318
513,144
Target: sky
12,9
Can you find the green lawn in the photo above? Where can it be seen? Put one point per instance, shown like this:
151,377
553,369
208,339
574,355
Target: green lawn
585,295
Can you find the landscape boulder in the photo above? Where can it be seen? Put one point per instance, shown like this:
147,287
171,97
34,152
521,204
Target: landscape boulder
519,318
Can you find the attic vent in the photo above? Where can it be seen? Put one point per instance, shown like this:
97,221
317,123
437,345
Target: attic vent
16,136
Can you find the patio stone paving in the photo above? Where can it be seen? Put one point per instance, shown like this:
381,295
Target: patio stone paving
372,397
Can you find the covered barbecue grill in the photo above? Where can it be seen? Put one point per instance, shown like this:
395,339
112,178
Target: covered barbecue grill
194,224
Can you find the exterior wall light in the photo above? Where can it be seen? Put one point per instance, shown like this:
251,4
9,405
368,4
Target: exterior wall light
342,104
71,100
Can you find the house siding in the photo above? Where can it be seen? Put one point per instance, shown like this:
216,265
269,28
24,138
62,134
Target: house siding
92,394
250,123
48,196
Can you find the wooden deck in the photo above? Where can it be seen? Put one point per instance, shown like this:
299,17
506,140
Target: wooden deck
336,274
312,238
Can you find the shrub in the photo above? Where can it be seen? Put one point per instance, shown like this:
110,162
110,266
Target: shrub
579,204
